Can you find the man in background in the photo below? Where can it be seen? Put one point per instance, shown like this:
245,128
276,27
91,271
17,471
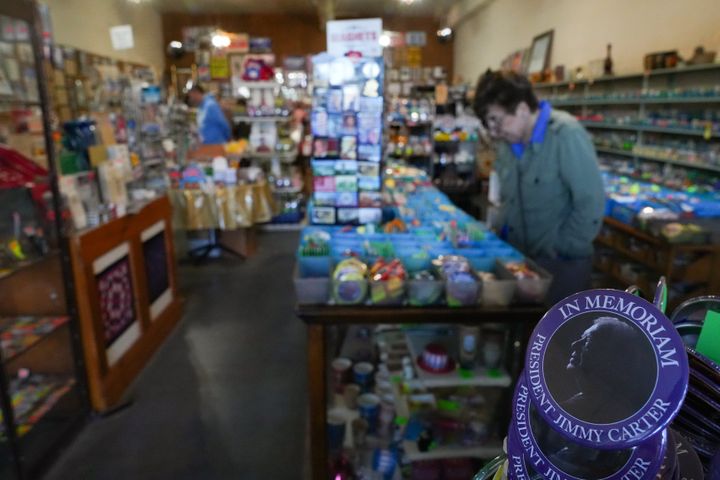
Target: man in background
551,189
212,124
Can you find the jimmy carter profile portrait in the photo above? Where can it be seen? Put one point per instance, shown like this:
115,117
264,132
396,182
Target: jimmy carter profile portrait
608,372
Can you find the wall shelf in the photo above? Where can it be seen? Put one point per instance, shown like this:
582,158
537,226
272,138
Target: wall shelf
632,101
681,163
633,76
261,119
648,128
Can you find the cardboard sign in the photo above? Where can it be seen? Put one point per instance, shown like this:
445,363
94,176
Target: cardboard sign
239,43
358,36
414,57
121,37
416,39
219,67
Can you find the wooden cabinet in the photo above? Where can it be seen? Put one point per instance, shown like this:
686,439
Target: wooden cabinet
127,297
630,256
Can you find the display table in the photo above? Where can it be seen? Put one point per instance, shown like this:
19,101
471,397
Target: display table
229,213
519,320
222,208
126,296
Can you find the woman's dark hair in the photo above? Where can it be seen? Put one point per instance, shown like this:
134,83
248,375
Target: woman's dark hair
198,88
504,88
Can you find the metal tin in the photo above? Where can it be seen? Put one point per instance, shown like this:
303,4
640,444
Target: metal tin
606,369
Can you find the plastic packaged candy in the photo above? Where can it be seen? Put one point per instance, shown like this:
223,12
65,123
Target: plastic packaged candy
424,288
387,282
521,270
350,282
448,264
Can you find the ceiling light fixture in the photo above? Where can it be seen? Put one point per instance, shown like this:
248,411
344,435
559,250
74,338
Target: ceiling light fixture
445,34
409,2
220,40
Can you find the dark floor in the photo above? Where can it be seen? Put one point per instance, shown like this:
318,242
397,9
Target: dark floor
225,396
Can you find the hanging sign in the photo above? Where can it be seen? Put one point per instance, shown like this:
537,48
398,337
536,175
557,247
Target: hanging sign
416,39
122,37
239,43
357,36
219,67
414,57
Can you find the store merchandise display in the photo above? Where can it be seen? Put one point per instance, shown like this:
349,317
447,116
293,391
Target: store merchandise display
571,417
635,202
346,125
439,250
651,230
266,92
423,398
42,391
404,77
33,396
700,94
700,123
26,234
456,136
220,194
682,152
410,121
668,116
19,334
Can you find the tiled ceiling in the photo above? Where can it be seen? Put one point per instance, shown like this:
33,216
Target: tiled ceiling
343,8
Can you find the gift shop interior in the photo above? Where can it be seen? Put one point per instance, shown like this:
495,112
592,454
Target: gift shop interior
359,239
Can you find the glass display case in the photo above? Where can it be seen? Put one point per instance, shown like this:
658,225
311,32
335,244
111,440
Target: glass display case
42,392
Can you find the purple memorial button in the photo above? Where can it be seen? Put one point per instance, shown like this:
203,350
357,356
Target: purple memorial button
606,369
517,467
552,455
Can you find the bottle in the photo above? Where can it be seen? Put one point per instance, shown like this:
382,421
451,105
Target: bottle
608,67
468,336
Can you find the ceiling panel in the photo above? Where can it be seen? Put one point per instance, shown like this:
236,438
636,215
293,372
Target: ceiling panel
343,8
236,6
388,8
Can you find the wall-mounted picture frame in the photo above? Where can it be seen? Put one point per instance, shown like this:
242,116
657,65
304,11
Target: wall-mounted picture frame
540,53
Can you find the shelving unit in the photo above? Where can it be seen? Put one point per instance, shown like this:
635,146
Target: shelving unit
636,103
479,377
334,331
260,119
681,163
490,450
649,128
700,271
663,124
43,397
410,123
289,201
283,156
